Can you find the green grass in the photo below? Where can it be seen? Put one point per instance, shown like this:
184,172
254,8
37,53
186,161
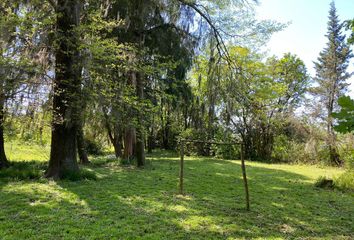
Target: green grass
130,203
17,151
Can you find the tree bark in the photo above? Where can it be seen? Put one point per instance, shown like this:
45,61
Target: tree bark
129,142
117,141
3,160
66,91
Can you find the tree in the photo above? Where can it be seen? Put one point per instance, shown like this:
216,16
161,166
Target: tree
345,116
270,90
66,98
331,75
350,26
17,58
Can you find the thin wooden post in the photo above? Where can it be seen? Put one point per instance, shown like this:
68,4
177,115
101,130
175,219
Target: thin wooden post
243,167
181,169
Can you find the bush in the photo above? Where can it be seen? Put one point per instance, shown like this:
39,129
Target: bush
200,149
313,151
323,182
93,147
345,181
226,151
346,150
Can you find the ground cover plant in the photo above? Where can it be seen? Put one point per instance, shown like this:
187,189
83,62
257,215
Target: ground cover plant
125,202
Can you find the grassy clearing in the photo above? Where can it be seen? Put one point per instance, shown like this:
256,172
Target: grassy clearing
17,151
128,203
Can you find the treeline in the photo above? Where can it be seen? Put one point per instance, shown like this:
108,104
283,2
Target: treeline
139,75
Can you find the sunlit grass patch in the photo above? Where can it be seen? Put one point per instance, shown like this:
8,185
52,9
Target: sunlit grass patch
130,203
17,151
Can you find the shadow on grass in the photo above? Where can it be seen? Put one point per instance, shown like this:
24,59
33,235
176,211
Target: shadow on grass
131,203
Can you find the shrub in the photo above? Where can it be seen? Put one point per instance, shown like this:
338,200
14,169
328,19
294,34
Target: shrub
226,151
346,150
345,181
93,147
323,182
200,149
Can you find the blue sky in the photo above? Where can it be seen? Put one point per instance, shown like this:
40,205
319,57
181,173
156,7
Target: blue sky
308,25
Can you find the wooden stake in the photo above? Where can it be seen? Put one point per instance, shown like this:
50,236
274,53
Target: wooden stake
243,167
181,169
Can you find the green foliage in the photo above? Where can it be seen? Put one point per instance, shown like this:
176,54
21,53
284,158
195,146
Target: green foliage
23,171
93,147
331,76
345,181
200,149
225,151
258,101
350,26
346,153
346,115
324,182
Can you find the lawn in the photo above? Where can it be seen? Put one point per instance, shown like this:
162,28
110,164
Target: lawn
130,203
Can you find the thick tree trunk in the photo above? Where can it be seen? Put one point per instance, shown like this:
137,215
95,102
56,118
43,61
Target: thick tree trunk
81,146
3,160
117,144
66,91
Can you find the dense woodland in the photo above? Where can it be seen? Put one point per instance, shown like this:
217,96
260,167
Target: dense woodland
88,76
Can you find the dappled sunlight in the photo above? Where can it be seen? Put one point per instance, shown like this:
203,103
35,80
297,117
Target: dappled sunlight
126,200
177,208
45,194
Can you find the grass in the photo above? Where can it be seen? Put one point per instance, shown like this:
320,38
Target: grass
130,203
17,151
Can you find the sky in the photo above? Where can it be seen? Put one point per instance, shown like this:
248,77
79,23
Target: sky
308,25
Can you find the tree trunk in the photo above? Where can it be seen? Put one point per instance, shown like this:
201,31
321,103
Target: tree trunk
3,160
81,146
66,99
166,130
117,142
151,140
331,142
331,136
117,147
140,145
129,142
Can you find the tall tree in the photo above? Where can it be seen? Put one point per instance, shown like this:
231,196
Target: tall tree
17,57
331,75
66,97
350,26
